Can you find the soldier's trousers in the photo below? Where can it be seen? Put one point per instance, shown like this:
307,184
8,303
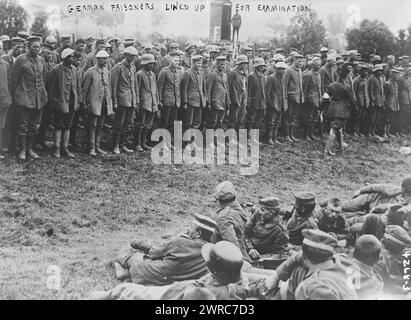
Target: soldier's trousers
216,118
29,121
310,114
405,118
145,119
238,113
273,122
192,117
373,116
254,118
168,116
10,128
292,114
123,119
44,123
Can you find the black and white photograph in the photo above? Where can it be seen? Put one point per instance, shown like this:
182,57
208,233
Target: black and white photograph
205,150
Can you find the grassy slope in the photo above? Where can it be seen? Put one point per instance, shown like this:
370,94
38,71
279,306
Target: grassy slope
95,206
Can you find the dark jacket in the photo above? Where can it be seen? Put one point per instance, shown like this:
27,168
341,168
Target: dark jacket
327,77
237,87
361,92
337,225
193,89
231,222
312,88
376,91
64,81
275,93
147,91
124,84
169,86
27,82
296,224
5,96
404,90
293,85
391,95
217,90
342,100
256,98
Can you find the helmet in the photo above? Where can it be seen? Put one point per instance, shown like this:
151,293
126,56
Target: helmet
147,58
224,261
242,59
131,50
259,62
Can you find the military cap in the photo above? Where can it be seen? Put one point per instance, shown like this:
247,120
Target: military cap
225,191
46,49
242,59
90,38
113,39
17,39
247,48
316,55
340,61
148,46
376,58
180,52
364,66
4,38
131,50
175,54
324,49
354,52
47,46
50,39
281,65
102,54
377,68
397,235
202,50
67,52
33,39
128,42
204,222
278,50
334,204
100,41
65,37
37,34
397,70
214,49
318,239
220,58
262,49
278,57
147,58
405,57
197,57
320,287
269,202
190,45
304,199
297,55
174,45
23,34
259,62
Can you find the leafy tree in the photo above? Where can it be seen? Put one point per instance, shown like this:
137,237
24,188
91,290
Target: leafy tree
40,23
13,17
370,37
306,32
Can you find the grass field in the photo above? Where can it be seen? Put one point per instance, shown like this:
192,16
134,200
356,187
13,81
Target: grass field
77,214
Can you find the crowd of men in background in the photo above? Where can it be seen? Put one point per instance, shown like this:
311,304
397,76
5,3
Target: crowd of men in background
131,88
332,249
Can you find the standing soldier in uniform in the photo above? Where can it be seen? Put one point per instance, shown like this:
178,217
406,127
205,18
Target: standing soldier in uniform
391,102
190,49
338,112
237,87
294,95
97,95
404,96
376,94
123,87
193,94
217,94
64,89
312,98
328,76
91,59
276,105
29,94
5,98
64,44
236,22
147,100
363,101
89,45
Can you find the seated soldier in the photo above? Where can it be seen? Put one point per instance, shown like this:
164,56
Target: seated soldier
176,259
390,266
263,232
224,279
372,225
331,221
302,217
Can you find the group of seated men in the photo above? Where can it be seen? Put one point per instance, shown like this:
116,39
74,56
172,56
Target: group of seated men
351,249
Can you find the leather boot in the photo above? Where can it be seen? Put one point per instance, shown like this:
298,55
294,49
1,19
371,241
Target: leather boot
270,136
92,141
307,134
385,132
30,143
275,136
144,140
99,133
288,134
389,132
22,147
116,141
293,130
311,133
123,142
138,140
57,141
66,139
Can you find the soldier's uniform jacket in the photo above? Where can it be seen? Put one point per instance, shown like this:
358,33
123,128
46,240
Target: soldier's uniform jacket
337,225
173,260
96,86
275,93
404,90
296,224
48,66
27,82
327,77
193,88
265,238
391,95
5,96
293,85
147,91
124,85
391,270
342,100
231,222
256,98
64,82
361,92
237,86
376,91
90,61
312,88
169,86
217,90
186,63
